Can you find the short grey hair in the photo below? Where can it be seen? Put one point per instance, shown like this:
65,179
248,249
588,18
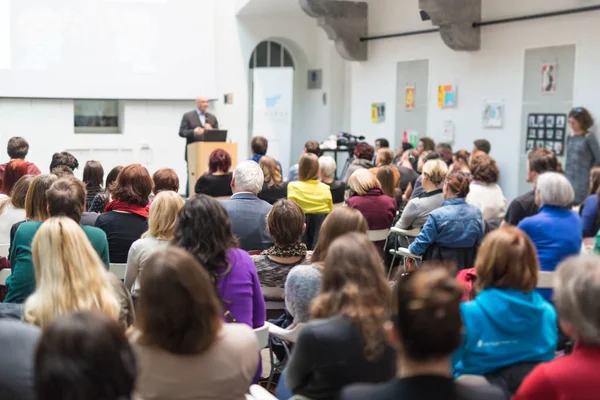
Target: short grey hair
576,293
248,177
328,166
554,189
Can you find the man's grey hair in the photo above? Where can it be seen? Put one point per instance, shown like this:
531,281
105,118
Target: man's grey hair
327,166
554,189
248,177
576,293
445,146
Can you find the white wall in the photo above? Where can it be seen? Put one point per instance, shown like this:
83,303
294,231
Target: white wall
495,73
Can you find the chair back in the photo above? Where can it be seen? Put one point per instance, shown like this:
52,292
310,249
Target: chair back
545,280
274,297
313,226
378,235
262,336
4,250
119,270
259,393
4,274
289,335
463,257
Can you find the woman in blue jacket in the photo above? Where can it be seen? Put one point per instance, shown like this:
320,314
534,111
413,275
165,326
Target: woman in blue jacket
508,322
455,224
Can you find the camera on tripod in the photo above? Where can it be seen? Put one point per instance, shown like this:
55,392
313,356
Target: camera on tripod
348,141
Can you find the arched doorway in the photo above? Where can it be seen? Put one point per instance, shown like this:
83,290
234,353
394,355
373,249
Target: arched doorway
271,93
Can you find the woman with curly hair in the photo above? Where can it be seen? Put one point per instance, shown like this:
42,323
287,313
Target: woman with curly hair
274,187
484,192
346,344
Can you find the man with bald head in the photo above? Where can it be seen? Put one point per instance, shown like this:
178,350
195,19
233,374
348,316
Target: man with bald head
196,122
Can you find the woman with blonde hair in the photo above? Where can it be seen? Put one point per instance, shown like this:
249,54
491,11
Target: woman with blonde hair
274,188
345,344
161,230
69,275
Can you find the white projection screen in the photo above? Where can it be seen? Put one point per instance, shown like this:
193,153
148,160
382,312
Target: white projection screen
107,49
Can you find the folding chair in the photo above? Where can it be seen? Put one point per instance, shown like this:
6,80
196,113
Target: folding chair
406,237
4,250
286,336
119,270
4,274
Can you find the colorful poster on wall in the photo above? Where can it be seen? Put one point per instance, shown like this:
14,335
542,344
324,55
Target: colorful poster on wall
549,78
446,96
409,98
411,137
493,115
378,112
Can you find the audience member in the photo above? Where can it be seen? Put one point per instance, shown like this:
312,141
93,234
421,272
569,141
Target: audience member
575,376
246,211
408,175
66,197
539,161
484,192
589,208
416,189
461,162
582,152
64,158
18,342
274,187
425,144
161,230
346,345
93,176
309,147
217,181
401,150
508,324
84,356
17,149
69,275
385,156
126,217
12,209
386,177
363,156
303,282
62,171
445,149
183,348
327,167
15,170
425,330
205,231
367,197
417,211
481,146
312,196
103,198
381,143
259,146
165,180
455,225
285,224
556,230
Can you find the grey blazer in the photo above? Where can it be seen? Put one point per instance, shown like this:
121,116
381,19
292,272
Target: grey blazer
191,121
248,219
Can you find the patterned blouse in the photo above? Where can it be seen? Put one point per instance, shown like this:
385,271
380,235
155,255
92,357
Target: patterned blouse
583,153
274,274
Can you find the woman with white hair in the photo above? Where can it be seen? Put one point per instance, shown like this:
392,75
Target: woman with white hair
327,167
556,230
575,376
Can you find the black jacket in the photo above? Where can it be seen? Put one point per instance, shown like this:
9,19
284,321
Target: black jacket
191,121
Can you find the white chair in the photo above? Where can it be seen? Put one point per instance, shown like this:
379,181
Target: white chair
4,273
119,270
378,235
272,293
545,280
4,250
286,336
408,235
262,336
259,393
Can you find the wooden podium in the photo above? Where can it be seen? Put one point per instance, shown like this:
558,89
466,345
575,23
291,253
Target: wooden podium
198,154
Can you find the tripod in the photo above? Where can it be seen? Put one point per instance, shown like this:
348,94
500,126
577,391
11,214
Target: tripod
347,164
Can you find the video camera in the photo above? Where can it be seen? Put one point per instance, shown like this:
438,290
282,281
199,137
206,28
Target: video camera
349,141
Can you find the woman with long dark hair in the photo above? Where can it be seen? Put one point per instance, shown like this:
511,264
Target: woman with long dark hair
103,198
93,175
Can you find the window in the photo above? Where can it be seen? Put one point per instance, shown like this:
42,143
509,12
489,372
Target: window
97,116
270,54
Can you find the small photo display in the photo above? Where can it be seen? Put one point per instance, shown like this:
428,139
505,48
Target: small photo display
549,134
530,145
540,134
541,121
550,121
559,134
531,123
549,146
531,134
539,144
560,122
558,148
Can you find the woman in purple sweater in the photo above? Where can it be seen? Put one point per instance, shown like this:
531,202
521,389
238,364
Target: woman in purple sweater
204,230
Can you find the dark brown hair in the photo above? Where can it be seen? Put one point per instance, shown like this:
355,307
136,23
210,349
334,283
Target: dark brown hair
340,221
110,179
354,285
133,185
364,151
219,160
484,169
428,317
483,145
428,143
64,158
542,160
463,155
93,174
15,170
583,116
507,259
178,310
313,147
259,145
458,183
36,206
66,197
19,192
271,171
165,179
308,167
17,147
385,176
285,222
62,171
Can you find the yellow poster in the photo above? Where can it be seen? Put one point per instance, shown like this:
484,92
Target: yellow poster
409,98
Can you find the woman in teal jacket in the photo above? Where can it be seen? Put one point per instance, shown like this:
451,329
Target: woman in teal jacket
508,322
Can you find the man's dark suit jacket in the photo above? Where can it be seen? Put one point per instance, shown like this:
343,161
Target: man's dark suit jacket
191,121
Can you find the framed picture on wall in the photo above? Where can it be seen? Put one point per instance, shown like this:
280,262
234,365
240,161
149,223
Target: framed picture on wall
539,144
560,122
531,122
540,134
550,121
531,134
558,135
530,145
548,133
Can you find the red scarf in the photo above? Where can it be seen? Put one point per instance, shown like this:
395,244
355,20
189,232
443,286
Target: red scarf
123,206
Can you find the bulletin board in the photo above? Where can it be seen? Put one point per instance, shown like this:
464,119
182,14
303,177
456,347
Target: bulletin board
546,131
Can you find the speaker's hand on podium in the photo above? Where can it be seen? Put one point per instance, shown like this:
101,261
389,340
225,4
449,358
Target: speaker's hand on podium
208,127
199,131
